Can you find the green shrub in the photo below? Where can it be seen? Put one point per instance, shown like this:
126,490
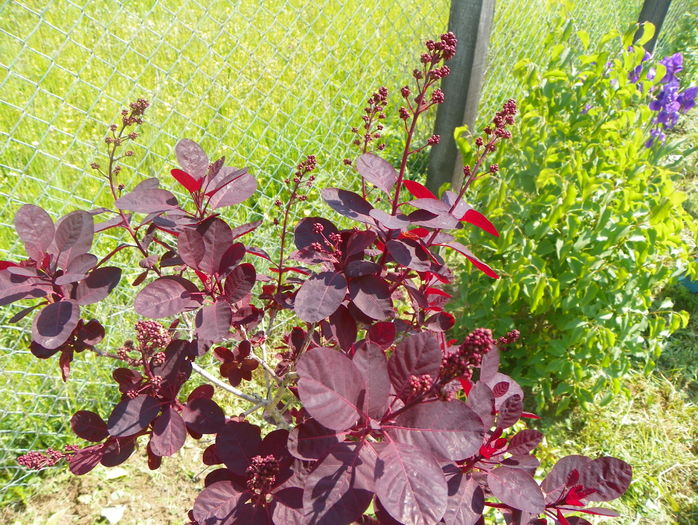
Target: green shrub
591,223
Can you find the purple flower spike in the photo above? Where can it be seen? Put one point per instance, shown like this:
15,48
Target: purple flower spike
687,99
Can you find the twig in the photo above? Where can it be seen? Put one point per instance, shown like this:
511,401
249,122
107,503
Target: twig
229,388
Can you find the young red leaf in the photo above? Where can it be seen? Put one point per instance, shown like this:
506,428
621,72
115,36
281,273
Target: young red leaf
190,183
460,248
478,219
417,190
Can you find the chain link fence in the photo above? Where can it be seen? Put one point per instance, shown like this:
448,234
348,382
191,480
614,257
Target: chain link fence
263,83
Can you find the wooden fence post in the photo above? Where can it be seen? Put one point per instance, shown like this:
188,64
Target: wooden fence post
653,11
471,22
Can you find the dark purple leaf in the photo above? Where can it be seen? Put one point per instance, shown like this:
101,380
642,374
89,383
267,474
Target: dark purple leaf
416,355
97,285
577,520
510,411
342,327
525,441
23,313
340,488
35,227
609,476
166,296
466,501
231,258
440,322
359,241
377,171
390,222
448,429
432,220
516,488
203,415
89,426
147,201
83,461
15,288
204,391
489,365
410,254
116,451
523,461
74,235
503,392
231,187
435,206
190,245
559,474
320,296
213,322
55,323
110,223
177,366
348,203
169,433
311,441
330,387
361,268
305,235
244,229
217,237
410,485
217,504
373,365
131,416
382,334
236,444
240,282
192,158
371,295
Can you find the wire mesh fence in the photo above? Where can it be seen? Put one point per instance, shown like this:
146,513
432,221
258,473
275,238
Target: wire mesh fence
262,83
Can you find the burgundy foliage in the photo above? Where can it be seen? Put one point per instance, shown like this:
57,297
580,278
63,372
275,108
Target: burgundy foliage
375,407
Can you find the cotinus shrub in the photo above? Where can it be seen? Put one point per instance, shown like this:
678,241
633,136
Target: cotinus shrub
375,414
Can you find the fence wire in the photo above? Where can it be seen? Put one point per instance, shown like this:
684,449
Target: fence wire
263,83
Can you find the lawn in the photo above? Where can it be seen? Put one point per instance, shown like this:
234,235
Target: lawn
263,84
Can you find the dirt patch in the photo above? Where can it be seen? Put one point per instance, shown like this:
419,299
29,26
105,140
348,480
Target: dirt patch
130,494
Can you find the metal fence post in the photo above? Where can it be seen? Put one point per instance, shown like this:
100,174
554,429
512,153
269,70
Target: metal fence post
471,22
653,11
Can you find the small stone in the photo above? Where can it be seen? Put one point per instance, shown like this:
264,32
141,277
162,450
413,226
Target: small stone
113,514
